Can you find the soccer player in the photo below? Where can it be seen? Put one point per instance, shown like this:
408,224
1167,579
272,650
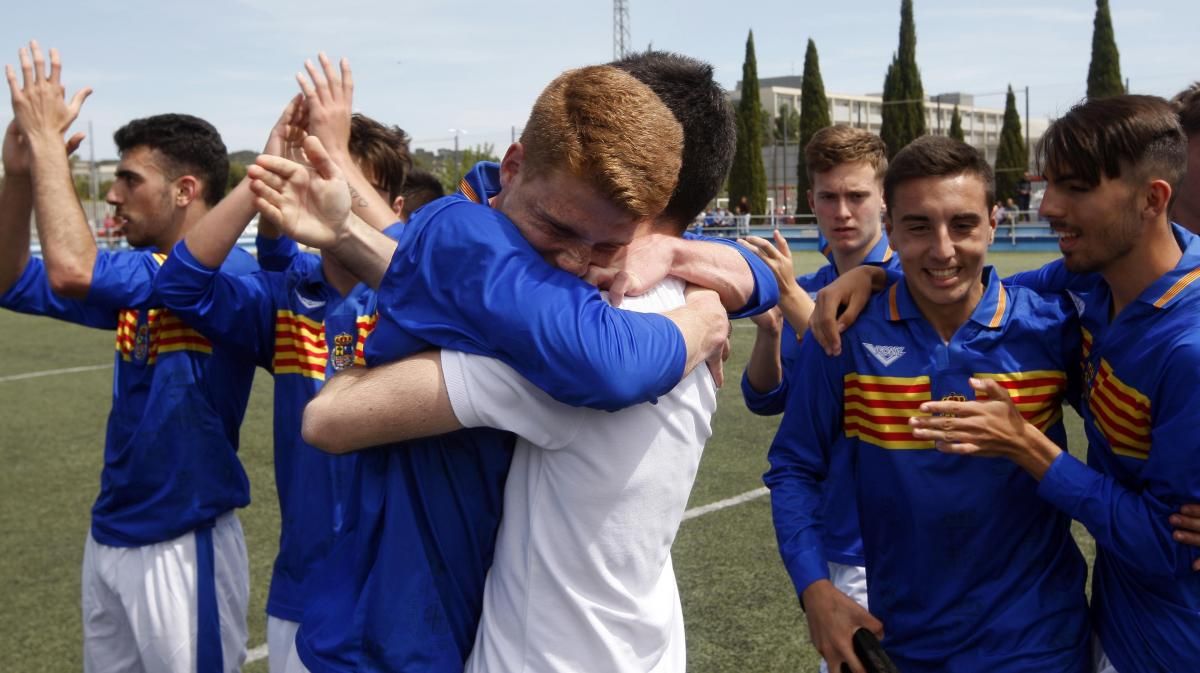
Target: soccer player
582,576
1112,166
165,579
968,568
413,542
847,166
639,468
1186,208
302,324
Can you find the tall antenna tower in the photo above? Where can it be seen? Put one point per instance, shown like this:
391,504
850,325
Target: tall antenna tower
621,40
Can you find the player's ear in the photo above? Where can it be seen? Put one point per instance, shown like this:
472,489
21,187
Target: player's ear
510,165
187,188
811,207
398,206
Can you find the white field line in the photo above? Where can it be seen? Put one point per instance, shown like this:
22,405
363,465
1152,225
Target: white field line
256,654
53,372
726,503
260,652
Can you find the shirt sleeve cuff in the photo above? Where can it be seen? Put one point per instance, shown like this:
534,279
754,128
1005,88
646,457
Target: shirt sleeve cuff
454,376
807,567
1066,483
763,404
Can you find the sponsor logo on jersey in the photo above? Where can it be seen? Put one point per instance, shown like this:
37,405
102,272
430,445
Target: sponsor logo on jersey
885,354
1078,301
307,303
343,351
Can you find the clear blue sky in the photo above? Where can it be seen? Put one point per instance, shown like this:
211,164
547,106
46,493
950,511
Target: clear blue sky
433,66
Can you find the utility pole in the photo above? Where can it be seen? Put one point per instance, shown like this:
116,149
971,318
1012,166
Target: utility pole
621,39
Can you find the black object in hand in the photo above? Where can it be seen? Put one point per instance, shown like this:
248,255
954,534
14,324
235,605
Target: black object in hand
871,654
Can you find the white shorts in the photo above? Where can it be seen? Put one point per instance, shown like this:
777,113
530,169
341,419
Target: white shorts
292,663
281,639
1101,664
852,581
142,607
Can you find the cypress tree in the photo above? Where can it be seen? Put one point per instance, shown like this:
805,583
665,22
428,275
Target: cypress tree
814,116
903,122
1012,157
1104,72
956,129
748,177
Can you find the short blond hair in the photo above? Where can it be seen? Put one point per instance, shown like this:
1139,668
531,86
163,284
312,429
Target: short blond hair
833,146
602,125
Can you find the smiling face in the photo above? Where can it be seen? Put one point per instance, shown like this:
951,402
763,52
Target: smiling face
941,228
1096,225
563,217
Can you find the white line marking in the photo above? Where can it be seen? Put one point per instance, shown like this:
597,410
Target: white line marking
260,652
53,372
727,502
256,654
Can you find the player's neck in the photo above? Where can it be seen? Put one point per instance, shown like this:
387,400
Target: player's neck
947,318
843,262
1155,253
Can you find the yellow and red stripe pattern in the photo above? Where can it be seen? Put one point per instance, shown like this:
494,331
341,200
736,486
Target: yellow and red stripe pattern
1121,413
1038,394
877,409
1179,286
164,333
468,191
366,325
300,346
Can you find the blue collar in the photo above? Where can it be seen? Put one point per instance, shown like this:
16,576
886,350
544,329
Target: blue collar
992,310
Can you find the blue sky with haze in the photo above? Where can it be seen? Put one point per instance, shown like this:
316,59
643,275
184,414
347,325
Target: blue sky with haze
433,66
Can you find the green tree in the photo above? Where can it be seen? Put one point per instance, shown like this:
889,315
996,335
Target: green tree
237,171
748,177
814,116
903,96
766,128
787,120
1012,157
452,168
956,129
1104,72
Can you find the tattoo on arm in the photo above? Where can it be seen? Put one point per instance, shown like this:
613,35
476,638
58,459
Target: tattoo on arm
358,199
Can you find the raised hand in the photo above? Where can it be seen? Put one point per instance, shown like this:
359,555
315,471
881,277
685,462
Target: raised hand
794,302
39,103
328,95
289,129
310,203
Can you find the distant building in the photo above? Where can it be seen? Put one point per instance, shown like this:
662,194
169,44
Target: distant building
981,126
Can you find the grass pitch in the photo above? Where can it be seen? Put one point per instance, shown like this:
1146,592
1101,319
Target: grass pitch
739,606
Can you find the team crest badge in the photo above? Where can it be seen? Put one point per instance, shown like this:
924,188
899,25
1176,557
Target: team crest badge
885,354
141,343
953,397
343,351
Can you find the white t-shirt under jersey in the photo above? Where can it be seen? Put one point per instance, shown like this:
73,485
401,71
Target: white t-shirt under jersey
582,577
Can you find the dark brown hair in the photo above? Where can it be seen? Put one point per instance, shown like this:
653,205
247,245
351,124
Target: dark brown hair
1095,138
381,152
939,156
